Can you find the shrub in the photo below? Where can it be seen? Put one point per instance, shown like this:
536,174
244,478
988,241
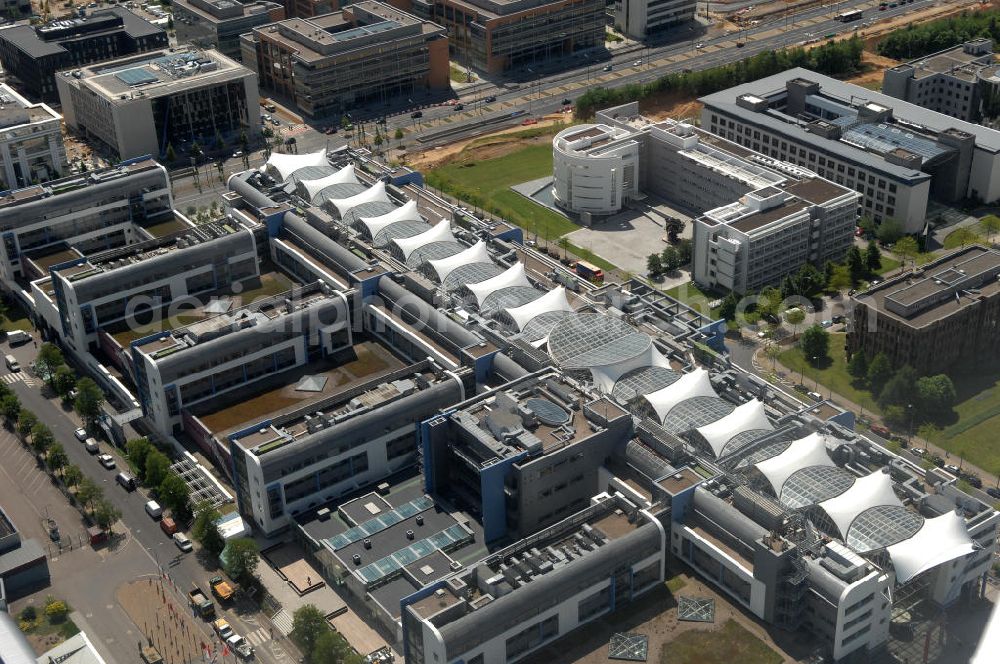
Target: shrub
56,610
28,613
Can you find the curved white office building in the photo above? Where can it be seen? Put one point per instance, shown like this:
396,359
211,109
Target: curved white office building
595,168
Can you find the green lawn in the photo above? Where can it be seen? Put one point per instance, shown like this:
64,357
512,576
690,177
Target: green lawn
834,376
962,236
974,434
486,184
15,319
675,583
889,265
731,643
690,294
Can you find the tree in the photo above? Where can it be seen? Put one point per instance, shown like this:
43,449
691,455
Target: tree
332,647
72,475
137,450
727,309
963,236
684,249
175,494
205,530
828,269
41,438
63,381
10,408
156,468
653,265
49,359
671,259
795,316
867,226
906,248
241,559
936,394
856,264
990,225
889,231
815,343
308,625
841,279
808,281
879,372
873,257
89,399
106,514
901,389
56,457
857,366
773,352
219,143
88,493
171,154
26,421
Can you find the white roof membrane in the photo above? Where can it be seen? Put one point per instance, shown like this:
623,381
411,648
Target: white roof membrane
939,540
373,194
802,453
475,254
606,376
283,165
512,276
441,232
694,384
312,188
406,212
866,492
747,417
554,300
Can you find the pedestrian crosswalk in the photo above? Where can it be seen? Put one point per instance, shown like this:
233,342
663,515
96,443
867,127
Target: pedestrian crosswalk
283,621
12,378
257,637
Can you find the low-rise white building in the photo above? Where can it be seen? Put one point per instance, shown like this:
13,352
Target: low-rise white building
31,144
596,169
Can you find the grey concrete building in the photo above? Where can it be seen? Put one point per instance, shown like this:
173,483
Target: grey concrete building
895,154
24,566
31,145
952,82
143,104
91,212
33,54
639,19
218,24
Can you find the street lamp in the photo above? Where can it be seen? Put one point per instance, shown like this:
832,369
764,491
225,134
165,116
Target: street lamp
909,431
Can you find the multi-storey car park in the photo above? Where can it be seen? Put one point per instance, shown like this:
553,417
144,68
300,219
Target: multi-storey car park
896,154
491,453
756,219
367,53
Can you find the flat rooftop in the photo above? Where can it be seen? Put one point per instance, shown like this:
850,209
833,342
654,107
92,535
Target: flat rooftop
44,40
956,62
683,479
72,183
938,289
156,73
15,110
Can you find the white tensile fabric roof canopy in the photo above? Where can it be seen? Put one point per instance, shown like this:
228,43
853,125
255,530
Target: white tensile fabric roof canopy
286,164
475,254
802,453
343,176
747,417
606,376
440,232
938,541
512,276
690,385
866,492
373,194
406,212
554,300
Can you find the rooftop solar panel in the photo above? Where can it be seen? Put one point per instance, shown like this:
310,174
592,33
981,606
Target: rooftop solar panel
136,76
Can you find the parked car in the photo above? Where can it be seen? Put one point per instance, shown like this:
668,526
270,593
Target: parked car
700,45
237,154
951,468
637,63
126,481
918,451
608,67
240,646
459,107
107,461
490,99
567,101
92,446
222,628
815,396
182,542
154,510
18,337
81,434
827,323
993,492
276,122
416,115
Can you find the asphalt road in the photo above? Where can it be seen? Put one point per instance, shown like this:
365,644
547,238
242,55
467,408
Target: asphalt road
109,623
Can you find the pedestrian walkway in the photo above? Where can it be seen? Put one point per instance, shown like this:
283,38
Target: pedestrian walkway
12,378
258,637
166,625
283,621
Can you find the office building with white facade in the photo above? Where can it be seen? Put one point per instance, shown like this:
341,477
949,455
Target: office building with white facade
141,105
31,145
757,219
895,154
638,19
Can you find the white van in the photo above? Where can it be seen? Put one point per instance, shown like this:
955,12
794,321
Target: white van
154,510
12,363
18,337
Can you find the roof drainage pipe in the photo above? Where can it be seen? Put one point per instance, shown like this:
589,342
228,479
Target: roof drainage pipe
237,182
342,258
435,322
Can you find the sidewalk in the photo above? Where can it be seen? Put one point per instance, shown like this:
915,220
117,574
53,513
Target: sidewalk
781,371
